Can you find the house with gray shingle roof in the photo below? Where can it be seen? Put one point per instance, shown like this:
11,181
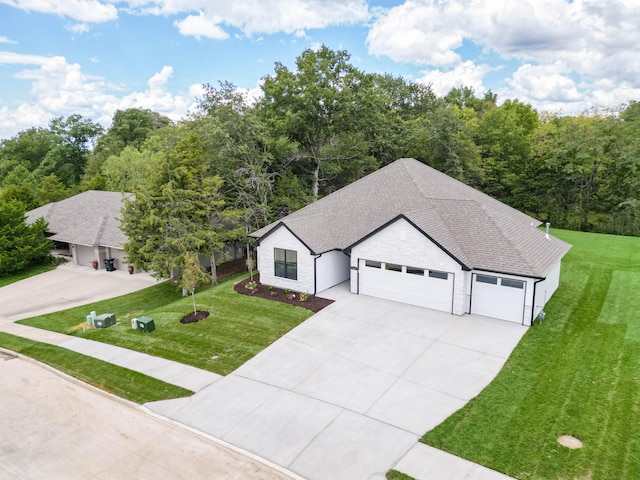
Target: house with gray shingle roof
410,233
87,225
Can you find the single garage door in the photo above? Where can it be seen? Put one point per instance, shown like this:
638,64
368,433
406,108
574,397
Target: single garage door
498,297
406,284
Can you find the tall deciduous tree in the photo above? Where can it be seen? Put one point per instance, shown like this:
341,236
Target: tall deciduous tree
75,137
317,106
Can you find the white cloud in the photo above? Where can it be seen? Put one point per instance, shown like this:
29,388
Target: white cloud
570,48
466,74
91,11
22,58
59,88
254,17
78,28
201,26
6,40
421,33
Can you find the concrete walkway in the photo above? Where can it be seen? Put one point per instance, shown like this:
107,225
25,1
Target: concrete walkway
345,395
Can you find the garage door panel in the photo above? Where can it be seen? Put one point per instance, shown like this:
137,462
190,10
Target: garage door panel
407,285
498,297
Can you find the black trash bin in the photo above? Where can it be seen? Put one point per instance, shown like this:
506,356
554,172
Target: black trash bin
110,264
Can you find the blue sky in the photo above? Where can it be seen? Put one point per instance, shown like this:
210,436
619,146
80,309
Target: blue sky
96,56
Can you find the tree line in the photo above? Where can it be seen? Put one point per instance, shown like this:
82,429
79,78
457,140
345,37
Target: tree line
324,124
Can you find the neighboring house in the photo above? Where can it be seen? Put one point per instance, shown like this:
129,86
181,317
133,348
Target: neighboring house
86,227
414,235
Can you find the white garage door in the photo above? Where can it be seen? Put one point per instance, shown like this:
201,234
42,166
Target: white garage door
498,297
407,284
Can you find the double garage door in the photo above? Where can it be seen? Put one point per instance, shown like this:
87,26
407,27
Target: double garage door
498,297
406,284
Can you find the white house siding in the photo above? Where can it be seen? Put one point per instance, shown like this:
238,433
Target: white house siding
545,289
283,238
400,243
332,268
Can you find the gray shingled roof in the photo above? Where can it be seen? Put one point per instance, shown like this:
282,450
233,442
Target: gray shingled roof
90,218
478,231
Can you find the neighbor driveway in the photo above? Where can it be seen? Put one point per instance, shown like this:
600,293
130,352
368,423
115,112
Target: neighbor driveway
348,392
65,287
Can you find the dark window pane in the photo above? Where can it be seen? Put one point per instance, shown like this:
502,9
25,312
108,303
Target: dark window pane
487,279
393,267
440,275
508,282
372,264
415,271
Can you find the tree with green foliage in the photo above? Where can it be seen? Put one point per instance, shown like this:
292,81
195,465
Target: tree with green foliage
178,209
240,149
317,105
21,244
75,138
126,171
445,141
504,139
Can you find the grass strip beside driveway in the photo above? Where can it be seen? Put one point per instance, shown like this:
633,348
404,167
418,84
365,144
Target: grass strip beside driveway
577,374
237,328
26,273
120,381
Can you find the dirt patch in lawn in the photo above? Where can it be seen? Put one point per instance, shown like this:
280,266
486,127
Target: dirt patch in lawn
195,317
313,303
569,442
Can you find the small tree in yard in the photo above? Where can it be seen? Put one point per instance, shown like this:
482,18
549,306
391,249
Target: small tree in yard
192,276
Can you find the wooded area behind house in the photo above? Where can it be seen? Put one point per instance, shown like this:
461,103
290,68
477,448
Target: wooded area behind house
324,124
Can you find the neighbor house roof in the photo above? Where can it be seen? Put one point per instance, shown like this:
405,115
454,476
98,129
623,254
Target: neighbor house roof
479,231
90,218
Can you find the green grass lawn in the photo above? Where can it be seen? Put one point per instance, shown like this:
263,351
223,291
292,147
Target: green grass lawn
577,374
238,327
26,273
120,381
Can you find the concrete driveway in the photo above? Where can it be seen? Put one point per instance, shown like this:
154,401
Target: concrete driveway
347,393
57,428
65,287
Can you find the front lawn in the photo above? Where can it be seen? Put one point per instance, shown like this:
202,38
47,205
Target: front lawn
237,328
577,374
125,383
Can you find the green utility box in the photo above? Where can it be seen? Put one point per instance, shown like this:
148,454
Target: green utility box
105,320
145,324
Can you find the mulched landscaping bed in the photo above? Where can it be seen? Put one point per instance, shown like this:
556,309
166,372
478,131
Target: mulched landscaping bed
195,317
313,303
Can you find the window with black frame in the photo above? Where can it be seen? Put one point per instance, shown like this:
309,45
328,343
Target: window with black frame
286,263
